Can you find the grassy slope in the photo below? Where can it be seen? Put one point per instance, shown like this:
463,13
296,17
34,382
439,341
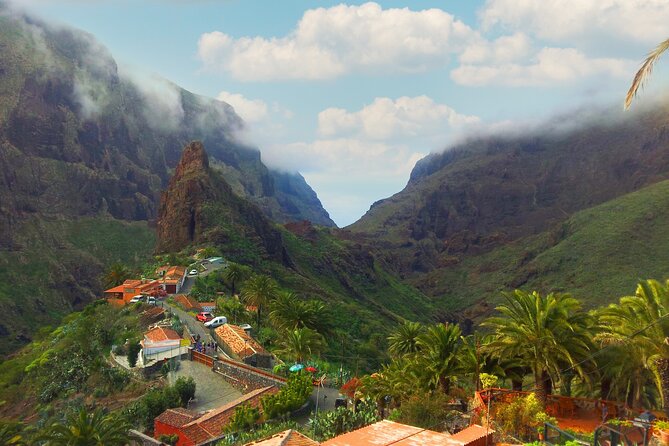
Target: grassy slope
42,282
597,255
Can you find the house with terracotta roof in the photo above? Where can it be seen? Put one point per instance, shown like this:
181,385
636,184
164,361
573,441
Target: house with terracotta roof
151,315
133,287
289,437
195,428
385,433
160,339
172,278
238,344
188,303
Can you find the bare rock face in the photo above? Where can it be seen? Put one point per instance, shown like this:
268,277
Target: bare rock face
199,207
180,219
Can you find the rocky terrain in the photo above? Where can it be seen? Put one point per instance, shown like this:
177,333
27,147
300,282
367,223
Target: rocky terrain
199,208
492,193
87,146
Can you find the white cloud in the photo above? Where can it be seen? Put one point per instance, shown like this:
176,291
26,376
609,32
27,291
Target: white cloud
368,153
251,110
406,117
502,50
550,66
574,20
163,109
330,42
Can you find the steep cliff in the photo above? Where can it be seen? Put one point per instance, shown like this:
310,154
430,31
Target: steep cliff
86,145
198,207
481,199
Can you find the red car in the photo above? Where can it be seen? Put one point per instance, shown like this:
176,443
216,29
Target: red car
204,316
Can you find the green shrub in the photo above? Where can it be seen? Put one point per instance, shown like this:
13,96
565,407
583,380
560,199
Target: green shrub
291,397
244,418
186,389
133,353
169,439
327,425
522,417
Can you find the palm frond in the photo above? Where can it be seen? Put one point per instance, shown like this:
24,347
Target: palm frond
644,72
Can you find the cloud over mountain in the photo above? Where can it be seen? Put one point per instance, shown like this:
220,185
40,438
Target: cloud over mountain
330,42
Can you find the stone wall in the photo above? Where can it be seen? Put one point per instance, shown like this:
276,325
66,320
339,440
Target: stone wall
244,377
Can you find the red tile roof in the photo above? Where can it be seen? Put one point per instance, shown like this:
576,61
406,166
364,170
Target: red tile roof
161,334
472,434
387,432
116,289
187,302
239,341
285,438
209,425
177,417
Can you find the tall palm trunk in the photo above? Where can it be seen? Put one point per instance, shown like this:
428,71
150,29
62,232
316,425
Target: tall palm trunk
548,382
663,370
605,388
541,391
445,384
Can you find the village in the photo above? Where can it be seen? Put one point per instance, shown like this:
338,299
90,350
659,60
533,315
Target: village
231,369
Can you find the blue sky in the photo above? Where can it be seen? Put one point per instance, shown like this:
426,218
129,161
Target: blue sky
353,94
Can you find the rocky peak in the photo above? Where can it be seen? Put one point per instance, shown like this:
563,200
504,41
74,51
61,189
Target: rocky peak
199,207
194,159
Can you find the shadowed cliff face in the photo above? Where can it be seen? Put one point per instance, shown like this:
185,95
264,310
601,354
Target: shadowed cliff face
180,216
484,199
86,145
199,207
65,108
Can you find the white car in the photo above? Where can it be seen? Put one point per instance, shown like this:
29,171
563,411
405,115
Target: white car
136,299
193,272
216,322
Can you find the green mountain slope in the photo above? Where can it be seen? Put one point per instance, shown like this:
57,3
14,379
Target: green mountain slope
198,209
85,145
488,193
597,254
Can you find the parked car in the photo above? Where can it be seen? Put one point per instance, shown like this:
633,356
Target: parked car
204,316
216,322
138,298
151,300
193,272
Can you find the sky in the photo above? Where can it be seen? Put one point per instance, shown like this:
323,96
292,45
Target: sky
352,94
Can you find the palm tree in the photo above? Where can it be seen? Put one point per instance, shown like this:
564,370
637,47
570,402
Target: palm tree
438,352
476,358
542,332
642,321
85,428
301,343
645,71
288,312
236,273
232,308
404,340
116,274
259,290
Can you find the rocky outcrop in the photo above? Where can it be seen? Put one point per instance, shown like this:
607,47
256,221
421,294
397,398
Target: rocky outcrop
180,215
199,207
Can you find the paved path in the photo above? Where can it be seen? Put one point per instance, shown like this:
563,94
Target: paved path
194,326
211,389
190,280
